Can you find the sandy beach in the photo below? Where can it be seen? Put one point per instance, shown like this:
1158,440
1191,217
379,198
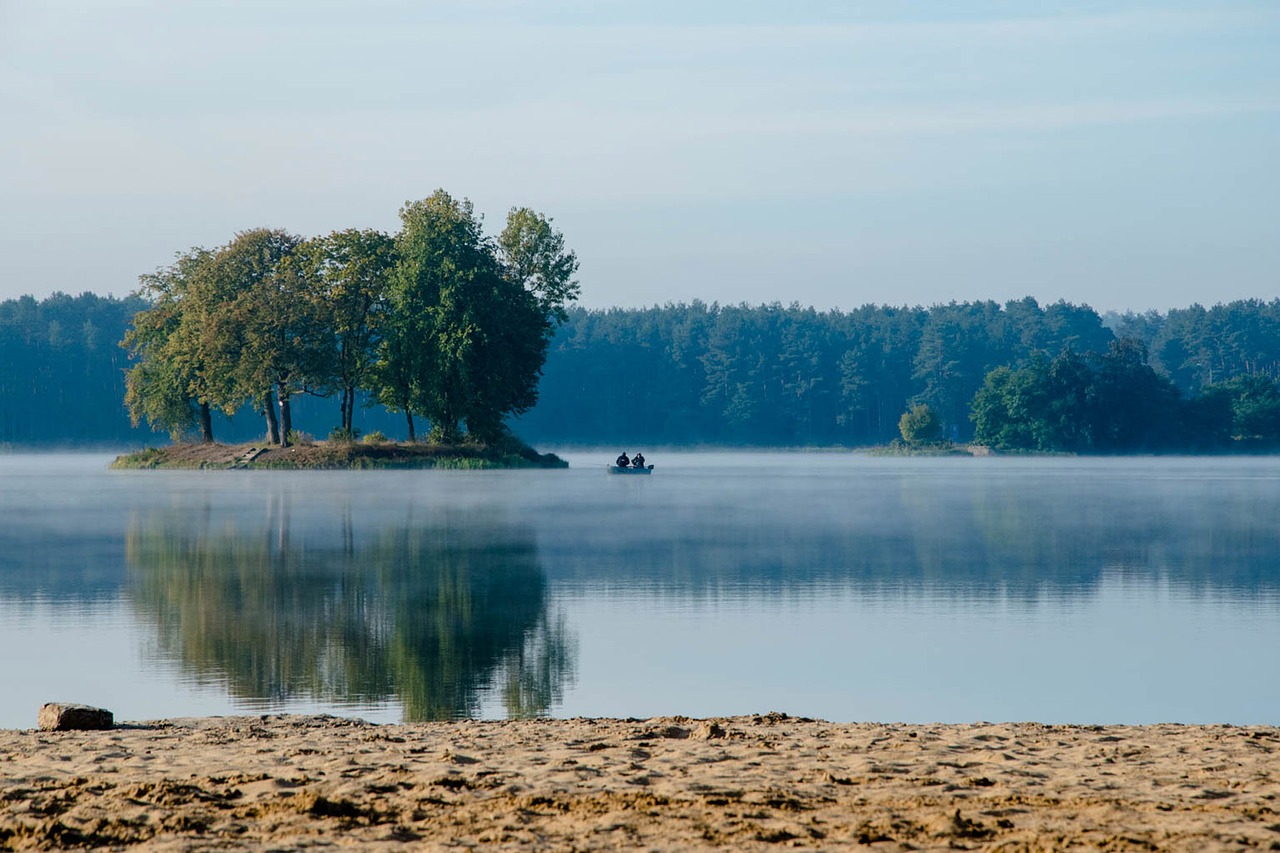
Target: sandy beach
739,783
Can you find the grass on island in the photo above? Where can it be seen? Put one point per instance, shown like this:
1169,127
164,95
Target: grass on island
371,453
897,447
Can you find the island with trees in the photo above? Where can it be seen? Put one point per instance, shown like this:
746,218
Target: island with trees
439,322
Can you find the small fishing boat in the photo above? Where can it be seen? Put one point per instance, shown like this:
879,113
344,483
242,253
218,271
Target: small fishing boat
644,469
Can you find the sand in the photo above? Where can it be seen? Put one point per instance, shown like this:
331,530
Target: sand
740,783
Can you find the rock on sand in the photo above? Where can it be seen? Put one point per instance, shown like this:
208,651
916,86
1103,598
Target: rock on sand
64,717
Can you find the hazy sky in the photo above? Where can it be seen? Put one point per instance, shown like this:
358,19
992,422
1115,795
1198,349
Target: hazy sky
830,152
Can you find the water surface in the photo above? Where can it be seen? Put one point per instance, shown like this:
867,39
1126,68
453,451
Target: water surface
822,584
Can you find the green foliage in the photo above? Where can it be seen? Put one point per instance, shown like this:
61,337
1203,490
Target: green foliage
1136,409
1044,406
1197,347
784,375
148,457
441,322
1254,406
920,425
1114,403
157,391
168,383
961,343
349,273
689,373
225,327
468,335
338,435
374,437
534,257
301,439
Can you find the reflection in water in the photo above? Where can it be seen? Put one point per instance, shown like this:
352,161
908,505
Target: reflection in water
436,614
983,533
822,584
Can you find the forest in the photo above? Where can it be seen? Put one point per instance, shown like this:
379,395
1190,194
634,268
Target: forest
1194,379
1017,375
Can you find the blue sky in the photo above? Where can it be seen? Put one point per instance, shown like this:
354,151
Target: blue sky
831,153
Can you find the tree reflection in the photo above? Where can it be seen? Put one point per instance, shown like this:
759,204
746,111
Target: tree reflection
437,614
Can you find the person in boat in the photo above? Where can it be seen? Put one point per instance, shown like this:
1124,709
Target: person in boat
622,461
638,460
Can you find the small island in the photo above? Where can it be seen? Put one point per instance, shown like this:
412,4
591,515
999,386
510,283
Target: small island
335,455
440,322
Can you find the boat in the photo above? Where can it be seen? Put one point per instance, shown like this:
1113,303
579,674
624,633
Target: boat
646,469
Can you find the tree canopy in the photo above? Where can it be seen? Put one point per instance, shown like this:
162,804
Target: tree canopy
439,321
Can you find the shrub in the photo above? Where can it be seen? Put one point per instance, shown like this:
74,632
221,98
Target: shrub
338,435
920,424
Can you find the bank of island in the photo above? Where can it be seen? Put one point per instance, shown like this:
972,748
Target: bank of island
335,455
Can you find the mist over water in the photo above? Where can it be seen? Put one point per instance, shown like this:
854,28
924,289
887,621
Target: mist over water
822,584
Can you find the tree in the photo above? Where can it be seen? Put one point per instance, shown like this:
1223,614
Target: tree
1137,409
471,328
167,386
534,257
1045,405
262,329
442,260
1110,404
394,374
920,425
958,345
349,273
999,409
1254,404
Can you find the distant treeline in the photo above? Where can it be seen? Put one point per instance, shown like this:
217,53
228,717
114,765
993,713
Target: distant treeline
62,369
62,378
1198,378
775,375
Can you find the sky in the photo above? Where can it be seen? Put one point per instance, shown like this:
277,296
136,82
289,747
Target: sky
828,152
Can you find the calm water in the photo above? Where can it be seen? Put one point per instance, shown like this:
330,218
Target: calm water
821,584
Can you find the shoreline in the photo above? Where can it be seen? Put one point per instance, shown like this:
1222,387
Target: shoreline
336,456
673,783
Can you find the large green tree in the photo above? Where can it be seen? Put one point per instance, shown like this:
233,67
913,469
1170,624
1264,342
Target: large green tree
471,320
263,328
349,272
1044,405
1112,403
534,257
168,384
1254,403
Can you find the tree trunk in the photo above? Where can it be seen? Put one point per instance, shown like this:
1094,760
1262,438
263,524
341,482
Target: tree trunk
349,419
409,417
273,426
206,424
286,417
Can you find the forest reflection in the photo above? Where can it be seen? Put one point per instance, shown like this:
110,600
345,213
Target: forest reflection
970,538
439,614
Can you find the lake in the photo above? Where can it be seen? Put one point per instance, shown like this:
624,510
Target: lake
831,585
